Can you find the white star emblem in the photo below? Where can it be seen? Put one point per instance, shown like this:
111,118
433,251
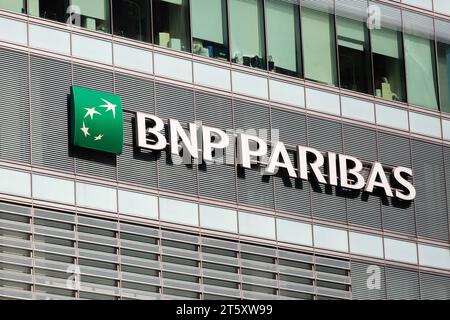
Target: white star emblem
110,107
90,112
98,138
85,130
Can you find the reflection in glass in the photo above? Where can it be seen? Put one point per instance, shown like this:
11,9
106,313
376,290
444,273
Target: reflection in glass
94,15
283,37
209,28
13,5
171,24
247,33
132,19
443,50
48,9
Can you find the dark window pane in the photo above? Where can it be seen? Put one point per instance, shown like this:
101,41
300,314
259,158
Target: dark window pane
132,19
171,24
49,9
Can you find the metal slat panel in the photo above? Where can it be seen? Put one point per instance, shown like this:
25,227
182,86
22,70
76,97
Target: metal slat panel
447,176
434,287
360,143
402,284
14,106
394,150
138,167
429,180
94,79
177,177
136,94
50,88
217,181
214,111
291,126
254,188
250,116
363,287
174,102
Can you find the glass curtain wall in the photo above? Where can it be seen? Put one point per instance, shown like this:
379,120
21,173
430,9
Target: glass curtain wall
247,33
443,51
319,42
56,10
131,19
94,15
355,67
420,60
171,24
209,28
387,55
13,5
283,37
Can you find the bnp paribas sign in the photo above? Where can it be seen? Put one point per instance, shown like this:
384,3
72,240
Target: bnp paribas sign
97,124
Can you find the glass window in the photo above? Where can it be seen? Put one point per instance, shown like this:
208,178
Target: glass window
15,182
171,24
392,117
59,190
387,55
353,46
295,232
256,225
319,43
97,197
434,256
218,218
367,245
283,37
329,238
93,15
443,49
420,60
49,9
13,5
178,211
398,250
132,19
442,6
209,28
247,33
138,204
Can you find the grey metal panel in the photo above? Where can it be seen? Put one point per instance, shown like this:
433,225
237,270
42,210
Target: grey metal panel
360,143
402,284
398,216
328,202
434,287
137,166
251,116
291,126
324,135
429,180
394,150
447,176
363,281
213,110
364,208
14,107
217,181
92,78
174,102
136,94
128,127
50,90
254,188
95,163
292,195
177,177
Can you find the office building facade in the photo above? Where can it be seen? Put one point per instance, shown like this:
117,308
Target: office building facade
364,79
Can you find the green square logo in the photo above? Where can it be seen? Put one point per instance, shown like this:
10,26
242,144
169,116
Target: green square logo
97,121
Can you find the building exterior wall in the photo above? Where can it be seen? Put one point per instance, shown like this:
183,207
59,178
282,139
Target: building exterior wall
118,254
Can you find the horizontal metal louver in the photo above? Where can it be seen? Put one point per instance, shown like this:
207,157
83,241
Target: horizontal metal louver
394,150
50,90
91,162
254,188
253,117
128,127
365,282
291,126
447,178
292,195
14,103
174,102
328,202
138,167
324,135
434,287
136,94
360,143
429,180
402,284
92,78
217,181
214,111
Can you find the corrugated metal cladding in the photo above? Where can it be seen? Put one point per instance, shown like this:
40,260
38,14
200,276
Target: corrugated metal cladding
49,88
